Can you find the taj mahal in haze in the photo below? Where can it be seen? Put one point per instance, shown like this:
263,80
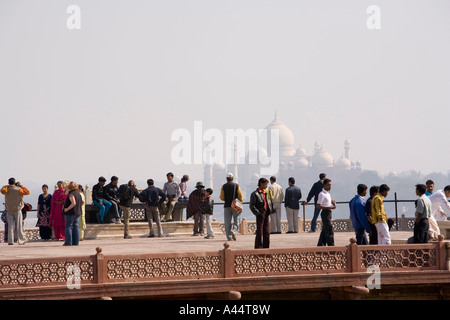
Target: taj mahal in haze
294,161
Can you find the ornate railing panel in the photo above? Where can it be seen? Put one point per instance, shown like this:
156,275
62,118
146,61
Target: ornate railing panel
291,261
47,271
163,266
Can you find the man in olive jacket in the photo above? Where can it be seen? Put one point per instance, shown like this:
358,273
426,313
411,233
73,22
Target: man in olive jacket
261,206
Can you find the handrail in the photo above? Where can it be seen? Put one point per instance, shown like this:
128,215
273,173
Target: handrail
100,269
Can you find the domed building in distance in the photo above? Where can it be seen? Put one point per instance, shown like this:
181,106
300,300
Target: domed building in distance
294,161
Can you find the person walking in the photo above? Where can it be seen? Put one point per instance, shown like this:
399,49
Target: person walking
208,211
72,213
57,221
379,217
261,206
195,208
277,198
43,214
229,192
314,193
292,197
127,193
152,197
326,205
358,215
14,193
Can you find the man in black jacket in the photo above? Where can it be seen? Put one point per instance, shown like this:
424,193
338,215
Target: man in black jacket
153,196
127,193
112,195
261,206
314,192
98,198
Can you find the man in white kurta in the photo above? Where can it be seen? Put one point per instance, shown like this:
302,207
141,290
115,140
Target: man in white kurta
439,201
277,199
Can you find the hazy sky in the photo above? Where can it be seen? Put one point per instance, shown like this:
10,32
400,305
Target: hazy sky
104,99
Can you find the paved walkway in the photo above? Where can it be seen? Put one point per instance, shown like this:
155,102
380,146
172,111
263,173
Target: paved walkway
39,249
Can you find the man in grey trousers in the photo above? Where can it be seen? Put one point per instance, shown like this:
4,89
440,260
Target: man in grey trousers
14,193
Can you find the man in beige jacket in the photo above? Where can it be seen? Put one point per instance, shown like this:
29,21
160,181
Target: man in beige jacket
277,199
14,193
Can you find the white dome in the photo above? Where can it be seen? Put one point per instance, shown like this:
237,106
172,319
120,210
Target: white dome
343,163
285,135
300,152
322,159
301,163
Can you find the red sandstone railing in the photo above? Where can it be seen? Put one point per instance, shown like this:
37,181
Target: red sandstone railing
101,269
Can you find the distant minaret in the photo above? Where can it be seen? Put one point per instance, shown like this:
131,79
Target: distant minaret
347,149
208,175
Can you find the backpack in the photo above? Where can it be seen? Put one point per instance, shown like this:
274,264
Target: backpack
124,192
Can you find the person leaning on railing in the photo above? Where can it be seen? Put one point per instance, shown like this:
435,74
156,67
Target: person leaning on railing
423,212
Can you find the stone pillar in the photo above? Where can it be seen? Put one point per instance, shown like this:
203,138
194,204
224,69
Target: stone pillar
87,194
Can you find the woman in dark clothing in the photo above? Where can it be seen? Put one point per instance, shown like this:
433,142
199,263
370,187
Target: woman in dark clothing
43,214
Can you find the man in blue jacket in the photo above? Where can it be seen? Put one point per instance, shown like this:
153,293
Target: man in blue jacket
358,215
314,193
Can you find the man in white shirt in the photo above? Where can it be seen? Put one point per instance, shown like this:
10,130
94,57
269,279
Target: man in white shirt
325,204
439,201
277,199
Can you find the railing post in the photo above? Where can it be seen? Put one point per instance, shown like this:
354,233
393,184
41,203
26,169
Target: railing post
243,227
396,211
304,217
442,253
100,266
354,260
228,261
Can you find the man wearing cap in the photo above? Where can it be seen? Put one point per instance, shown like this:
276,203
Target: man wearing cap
228,193
195,207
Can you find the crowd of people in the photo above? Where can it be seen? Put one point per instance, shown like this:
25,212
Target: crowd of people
62,215
370,216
